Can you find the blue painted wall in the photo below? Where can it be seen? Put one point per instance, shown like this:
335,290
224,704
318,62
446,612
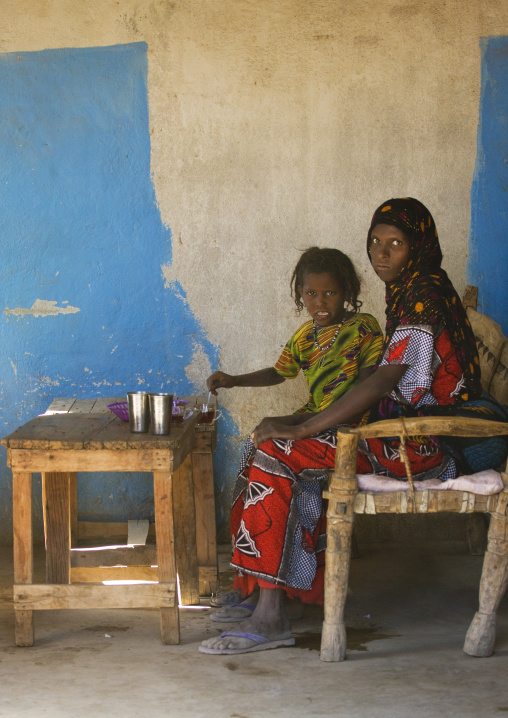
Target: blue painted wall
488,243
81,233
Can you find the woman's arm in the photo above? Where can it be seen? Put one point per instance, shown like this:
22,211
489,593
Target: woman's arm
343,411
263,377
300,418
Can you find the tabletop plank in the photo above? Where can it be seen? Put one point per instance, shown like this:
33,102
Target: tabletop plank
101,404
60,405
92,432
82,406
57,431
71,423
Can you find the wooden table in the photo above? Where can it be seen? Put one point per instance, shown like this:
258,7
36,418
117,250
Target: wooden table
80,435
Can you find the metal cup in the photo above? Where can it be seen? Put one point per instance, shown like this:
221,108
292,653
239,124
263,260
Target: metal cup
139,415
161,407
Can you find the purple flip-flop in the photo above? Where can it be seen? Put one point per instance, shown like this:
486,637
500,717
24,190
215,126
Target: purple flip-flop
249,607
261,643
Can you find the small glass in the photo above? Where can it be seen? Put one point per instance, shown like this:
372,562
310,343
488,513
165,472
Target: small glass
208,409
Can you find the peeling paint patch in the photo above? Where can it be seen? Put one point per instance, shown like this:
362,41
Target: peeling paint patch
199,368
46,380
171,282
42,308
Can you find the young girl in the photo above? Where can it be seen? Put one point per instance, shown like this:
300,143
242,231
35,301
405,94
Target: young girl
335,349
325,282
429,366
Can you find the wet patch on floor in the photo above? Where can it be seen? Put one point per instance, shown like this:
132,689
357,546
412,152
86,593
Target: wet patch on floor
357,638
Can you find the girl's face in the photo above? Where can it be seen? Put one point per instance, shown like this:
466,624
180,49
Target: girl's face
389,251
323,298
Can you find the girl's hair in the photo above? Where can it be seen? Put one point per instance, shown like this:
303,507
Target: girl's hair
317,260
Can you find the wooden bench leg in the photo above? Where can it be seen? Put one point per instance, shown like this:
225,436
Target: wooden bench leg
23,551
340,516
481,635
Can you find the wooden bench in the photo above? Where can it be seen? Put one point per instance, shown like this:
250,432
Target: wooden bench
345,500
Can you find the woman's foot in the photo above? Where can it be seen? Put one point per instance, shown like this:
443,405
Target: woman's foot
236,611
242,610
226,599
268,627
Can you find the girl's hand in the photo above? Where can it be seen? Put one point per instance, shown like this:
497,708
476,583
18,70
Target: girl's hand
270,428
220,380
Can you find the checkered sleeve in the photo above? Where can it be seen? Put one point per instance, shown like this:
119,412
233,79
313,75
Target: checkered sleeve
413,346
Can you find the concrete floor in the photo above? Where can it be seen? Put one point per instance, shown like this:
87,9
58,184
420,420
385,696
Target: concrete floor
407,614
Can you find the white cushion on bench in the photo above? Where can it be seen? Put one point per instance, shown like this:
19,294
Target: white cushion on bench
484,482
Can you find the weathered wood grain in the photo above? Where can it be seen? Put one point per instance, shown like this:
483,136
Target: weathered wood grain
206,532
48,597
185,533
57,526
143,555
164,525
84,460
23,550
432,425
108,530
95,574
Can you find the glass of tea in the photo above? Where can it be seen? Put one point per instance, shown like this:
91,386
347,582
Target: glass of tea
209,411
180,411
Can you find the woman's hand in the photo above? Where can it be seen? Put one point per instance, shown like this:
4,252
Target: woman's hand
220,380
271,428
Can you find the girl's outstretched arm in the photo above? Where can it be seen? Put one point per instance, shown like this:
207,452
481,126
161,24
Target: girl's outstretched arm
343,411
263,377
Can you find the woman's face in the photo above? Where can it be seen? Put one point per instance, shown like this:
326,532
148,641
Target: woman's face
389,251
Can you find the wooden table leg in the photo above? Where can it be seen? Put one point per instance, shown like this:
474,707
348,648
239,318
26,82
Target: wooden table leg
23,550
164,527
73,487
206,530
185,533
57,526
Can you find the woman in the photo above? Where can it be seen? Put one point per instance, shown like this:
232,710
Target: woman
430,366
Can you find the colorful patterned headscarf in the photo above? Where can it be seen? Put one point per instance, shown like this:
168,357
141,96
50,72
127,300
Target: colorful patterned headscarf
423,293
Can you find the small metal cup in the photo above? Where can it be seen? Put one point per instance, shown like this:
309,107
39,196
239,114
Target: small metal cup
139,415
161,407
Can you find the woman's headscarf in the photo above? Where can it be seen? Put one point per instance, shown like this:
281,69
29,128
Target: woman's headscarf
423,293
